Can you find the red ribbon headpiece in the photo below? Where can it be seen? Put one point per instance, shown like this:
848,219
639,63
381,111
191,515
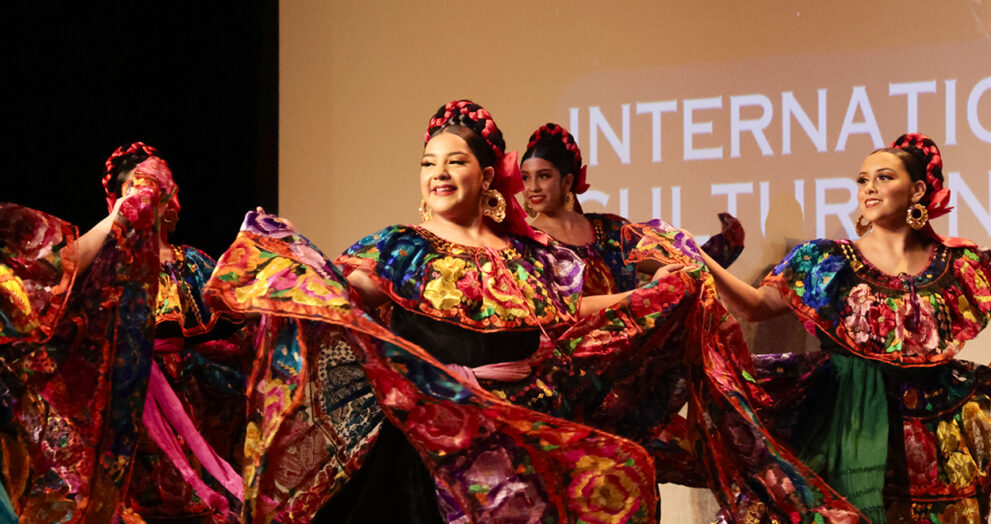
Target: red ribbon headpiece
937,197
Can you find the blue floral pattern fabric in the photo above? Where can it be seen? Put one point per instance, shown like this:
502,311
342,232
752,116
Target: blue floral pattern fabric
606,270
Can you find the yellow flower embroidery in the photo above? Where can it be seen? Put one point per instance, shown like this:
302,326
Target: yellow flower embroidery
966,309
960,466
604,490
949,437
443,292
168,295
506,305
961,469
963,512
315,294
13,288
977,427
260,285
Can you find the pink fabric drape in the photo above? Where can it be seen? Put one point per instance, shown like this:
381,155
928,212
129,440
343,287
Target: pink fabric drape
501,371
164,418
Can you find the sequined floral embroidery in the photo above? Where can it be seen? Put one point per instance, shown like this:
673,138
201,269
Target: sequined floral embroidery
913,320
479,288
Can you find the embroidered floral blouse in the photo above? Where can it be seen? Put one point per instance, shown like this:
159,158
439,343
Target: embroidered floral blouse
906,320
605,269
521,287
179,284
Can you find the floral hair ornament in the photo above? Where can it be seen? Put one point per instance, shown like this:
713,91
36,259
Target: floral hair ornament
157,170
554,132
937,197
507,179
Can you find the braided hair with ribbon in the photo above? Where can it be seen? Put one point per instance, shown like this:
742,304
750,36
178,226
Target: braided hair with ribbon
487,144
127,158
922,160
555,144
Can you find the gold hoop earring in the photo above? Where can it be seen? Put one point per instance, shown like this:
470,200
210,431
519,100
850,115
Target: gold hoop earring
569,201
529,210
169,221
496,211
917,216
425,213
862,228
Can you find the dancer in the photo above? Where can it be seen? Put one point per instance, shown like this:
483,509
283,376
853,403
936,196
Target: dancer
201,355
458,409
553,176
884,414
76,340
79,325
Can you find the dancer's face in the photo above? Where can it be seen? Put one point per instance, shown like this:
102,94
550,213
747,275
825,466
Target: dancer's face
451,179
544,188
886,190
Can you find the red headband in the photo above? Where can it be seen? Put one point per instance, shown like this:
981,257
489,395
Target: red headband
507,179
160,171
551,131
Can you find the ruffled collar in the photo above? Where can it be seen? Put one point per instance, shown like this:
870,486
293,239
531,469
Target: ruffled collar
523,286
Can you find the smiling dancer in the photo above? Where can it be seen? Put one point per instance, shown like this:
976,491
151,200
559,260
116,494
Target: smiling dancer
884,414
444,405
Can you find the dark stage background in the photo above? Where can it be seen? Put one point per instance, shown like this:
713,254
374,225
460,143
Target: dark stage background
199,81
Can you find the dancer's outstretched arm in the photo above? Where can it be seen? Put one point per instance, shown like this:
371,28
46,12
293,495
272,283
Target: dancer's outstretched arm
743,300
371,294
89,244
593,304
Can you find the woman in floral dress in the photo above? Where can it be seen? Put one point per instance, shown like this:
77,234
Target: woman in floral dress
884,414
200,354
452,393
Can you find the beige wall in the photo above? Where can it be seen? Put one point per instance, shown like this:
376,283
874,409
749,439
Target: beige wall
359,80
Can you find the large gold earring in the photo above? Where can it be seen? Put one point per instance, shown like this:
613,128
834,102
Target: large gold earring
169,220
496,211
862,227
529,210
425,212
569,201
917,216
